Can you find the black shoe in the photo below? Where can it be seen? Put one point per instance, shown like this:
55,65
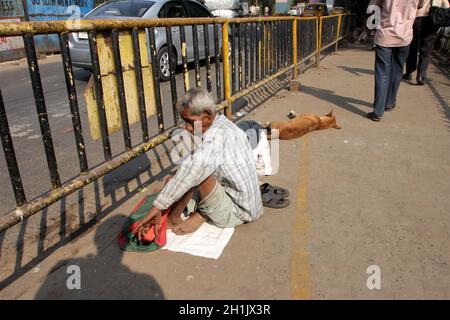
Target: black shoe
388,109
420,80
407,76
372,116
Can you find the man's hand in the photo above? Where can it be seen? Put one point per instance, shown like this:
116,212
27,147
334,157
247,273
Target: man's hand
153,218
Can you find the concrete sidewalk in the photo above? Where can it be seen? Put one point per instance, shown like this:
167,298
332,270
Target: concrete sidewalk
369,194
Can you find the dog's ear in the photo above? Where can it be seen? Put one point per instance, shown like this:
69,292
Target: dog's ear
330,114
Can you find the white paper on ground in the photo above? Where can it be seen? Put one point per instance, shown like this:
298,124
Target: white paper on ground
208,241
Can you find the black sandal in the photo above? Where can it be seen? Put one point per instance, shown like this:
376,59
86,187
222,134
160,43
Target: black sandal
271,200
278,191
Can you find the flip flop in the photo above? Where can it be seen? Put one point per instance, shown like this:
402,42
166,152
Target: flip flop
274,201
284,193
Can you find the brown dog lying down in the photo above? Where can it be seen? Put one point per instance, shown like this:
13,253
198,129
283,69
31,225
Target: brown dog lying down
299,125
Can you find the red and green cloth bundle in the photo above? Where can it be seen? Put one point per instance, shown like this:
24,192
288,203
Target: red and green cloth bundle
129,242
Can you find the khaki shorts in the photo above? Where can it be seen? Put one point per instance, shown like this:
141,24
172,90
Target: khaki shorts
217,206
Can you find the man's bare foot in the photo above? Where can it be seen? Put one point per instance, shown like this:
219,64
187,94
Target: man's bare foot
173,221
190,225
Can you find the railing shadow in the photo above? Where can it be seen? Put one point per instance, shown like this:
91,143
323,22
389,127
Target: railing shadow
346,103
357,71
103,274
59,226
442,63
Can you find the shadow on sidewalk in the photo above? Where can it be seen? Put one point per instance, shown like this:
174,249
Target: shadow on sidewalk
346,103
442,62
440,91
102,276
58,227
357,71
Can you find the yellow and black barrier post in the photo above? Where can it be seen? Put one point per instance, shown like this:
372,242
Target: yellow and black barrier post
338,33
294,49
319,40
226,69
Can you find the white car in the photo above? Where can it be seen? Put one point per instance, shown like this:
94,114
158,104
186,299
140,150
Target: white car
129,9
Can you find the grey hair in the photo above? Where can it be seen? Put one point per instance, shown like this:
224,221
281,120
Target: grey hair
197,100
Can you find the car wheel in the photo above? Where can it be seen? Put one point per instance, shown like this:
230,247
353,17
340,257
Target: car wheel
163,64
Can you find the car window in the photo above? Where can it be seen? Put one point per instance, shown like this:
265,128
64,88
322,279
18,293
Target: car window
174,9
135,8
197,10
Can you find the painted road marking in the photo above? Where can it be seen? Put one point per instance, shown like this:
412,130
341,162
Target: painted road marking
300,278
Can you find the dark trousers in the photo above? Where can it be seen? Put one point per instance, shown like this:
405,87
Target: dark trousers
389,64
425,33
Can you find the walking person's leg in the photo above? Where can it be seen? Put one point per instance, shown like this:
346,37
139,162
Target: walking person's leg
411,61
429,36
383,57
399,57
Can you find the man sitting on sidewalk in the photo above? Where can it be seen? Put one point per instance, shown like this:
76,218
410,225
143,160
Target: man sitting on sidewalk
220,176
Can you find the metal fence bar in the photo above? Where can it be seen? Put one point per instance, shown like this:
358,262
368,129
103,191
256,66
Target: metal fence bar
260,53
294,49
172,69
233,58
273,43
247,57
10,156
73,101
56,27
226,70
207,59
283,43
98,89
198,80
257,51
291,40
289,44
156,86
217,61
139,83
338,32
239,35
265,43
254,53
41,110
251,54
121,89
184,58
277,46
300,45
319,39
